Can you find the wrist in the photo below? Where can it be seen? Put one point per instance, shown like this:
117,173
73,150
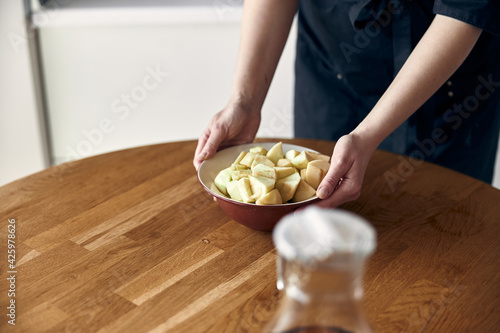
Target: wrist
368,137
248,103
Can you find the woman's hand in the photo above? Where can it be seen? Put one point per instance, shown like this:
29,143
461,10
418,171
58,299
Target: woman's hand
344,179
233,125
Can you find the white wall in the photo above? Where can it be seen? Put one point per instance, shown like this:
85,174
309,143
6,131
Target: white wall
90,71
21,147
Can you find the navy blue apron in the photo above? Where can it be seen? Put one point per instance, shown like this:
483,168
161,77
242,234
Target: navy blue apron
349,51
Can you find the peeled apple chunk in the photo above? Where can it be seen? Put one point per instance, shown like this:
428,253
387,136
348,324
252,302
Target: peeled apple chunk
287,186
300,162
264,171
275,153
222,179
261,185
282,172
245,190
258,150
304,191
271,198
234,191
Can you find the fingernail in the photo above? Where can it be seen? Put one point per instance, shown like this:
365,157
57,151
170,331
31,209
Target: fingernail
204,155
322,193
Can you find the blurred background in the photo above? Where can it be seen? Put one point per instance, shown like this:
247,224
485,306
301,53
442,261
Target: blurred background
86,77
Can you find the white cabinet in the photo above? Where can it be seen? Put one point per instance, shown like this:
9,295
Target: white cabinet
122,77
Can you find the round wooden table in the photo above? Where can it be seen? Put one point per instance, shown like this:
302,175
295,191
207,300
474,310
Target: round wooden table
130,242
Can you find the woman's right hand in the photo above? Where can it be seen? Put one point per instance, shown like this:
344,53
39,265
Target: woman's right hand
234,125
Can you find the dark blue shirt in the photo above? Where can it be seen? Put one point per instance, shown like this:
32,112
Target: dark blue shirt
348,53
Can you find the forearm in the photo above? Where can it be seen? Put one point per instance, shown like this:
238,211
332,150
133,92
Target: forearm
264,31
442,49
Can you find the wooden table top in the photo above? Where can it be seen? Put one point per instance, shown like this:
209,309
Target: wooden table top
130,242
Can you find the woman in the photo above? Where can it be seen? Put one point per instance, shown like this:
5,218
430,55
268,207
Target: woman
419,78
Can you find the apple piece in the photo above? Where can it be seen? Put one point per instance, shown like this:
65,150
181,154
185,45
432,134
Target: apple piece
303,174
325,166
261,185
275,153
216,190
258,150
260,159
239,158
302,159
291,154
282,172
264,171
315,172
245,190
271,198
287,186
222,179
234,191
248,159
314,175
238,174
304,191
239,167
319,156
284,162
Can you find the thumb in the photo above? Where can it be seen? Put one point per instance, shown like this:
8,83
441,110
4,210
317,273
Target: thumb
330,182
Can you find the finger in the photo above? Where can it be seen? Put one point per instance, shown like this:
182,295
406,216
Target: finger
198,158
348,190
338,169
213,141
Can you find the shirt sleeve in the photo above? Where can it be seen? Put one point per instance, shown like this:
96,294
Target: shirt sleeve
484,14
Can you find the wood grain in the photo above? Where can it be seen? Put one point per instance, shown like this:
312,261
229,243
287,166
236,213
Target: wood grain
130,242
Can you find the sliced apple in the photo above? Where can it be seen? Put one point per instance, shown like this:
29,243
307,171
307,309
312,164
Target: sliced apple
248,159
261,185
303,174
258,150
319,156
276,152
222,179
284,162
287,186
304,191
239,158
282,172
302,159
238,174
264,171
245,190
291,154
234,191
260,159
216,190
271,198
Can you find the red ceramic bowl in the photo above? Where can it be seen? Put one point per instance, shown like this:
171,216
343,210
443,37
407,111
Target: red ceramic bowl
257,217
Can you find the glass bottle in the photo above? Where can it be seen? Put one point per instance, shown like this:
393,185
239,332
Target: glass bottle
320,269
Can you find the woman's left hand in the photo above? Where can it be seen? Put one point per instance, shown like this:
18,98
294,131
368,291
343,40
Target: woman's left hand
344,179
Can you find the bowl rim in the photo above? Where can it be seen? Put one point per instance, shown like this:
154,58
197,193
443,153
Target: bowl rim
248,204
